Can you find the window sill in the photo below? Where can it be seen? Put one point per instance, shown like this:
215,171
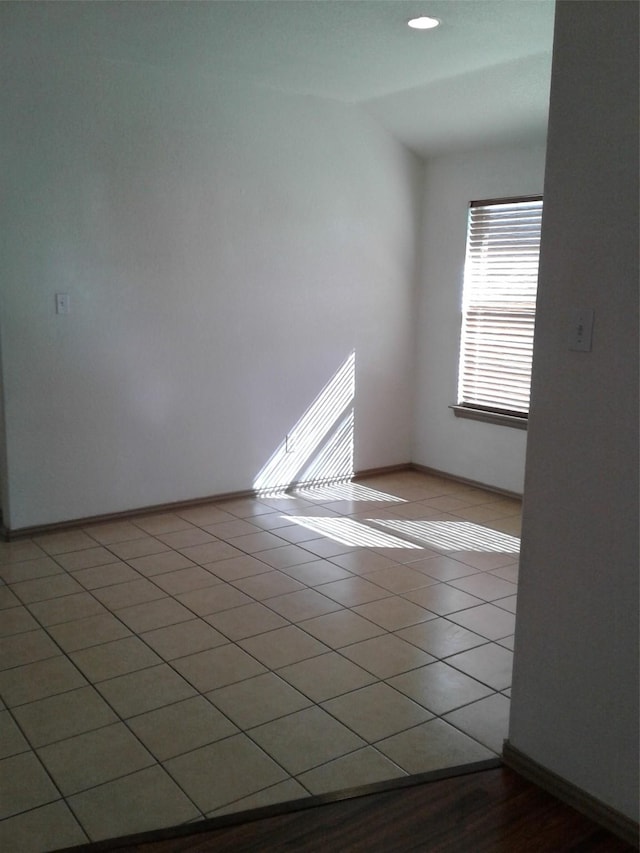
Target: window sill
490,417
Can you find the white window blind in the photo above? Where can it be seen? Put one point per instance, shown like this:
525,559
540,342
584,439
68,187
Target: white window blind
499,303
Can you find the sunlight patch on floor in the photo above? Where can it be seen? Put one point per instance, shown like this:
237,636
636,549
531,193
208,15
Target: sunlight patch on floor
346,492
453,535
350,532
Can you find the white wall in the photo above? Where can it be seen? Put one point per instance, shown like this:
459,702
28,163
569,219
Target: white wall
225,248
4,498
476,451
575,685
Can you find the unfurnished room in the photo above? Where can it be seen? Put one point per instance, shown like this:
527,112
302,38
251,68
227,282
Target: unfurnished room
318,423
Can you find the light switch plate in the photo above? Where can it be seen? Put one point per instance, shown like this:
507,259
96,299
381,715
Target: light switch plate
63,303
581,329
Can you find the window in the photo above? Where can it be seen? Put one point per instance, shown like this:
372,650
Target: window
498,310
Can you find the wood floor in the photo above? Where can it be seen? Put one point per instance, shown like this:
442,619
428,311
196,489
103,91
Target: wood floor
492,811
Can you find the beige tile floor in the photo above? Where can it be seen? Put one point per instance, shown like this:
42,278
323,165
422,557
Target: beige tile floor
184,665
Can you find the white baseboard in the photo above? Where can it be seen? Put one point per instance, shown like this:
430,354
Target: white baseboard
580,800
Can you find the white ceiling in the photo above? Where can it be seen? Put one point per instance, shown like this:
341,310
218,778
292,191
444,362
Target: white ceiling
482,76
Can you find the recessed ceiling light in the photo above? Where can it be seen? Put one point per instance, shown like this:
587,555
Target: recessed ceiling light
423,23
